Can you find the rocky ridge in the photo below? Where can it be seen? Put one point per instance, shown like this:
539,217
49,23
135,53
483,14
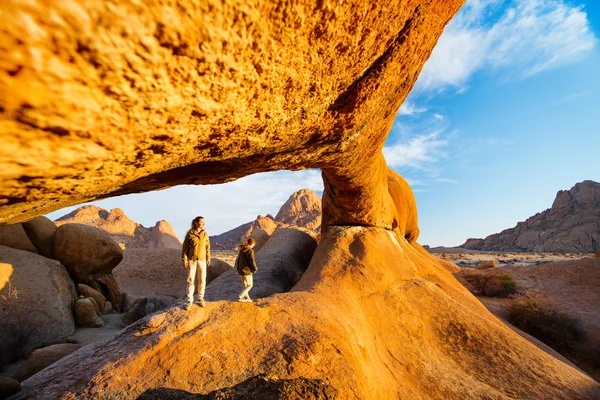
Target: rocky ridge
301,210
571,225
122,229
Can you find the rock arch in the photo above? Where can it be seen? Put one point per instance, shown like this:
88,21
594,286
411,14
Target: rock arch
108,98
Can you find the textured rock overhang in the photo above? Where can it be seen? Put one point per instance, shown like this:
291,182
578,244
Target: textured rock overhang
107,98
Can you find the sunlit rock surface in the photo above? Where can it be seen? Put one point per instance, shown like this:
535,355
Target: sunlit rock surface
107,98
372,317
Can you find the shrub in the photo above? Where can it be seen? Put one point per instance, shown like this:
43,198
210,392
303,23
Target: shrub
492,285
538,317
486,265
507,284
479,281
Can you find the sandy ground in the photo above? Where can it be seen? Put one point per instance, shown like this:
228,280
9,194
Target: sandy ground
82,336
85,336
569,282
227,256
468,259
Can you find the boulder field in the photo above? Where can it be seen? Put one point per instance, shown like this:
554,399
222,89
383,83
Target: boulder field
102,99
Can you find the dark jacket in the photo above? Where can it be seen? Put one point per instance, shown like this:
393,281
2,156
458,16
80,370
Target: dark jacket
196,246
244,263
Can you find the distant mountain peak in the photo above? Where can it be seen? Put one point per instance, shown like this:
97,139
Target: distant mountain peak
122,229
301,210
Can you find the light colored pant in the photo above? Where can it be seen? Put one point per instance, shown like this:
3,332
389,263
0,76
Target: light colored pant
197,270
247,283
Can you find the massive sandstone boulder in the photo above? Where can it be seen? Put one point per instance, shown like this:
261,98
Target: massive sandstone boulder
14,236
36,306
85,251
102,99
281,263
122,229
571,225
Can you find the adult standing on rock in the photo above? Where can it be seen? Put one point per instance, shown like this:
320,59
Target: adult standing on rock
246,266
196,258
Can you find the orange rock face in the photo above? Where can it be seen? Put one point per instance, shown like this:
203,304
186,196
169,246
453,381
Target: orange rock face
103,99
108,98
372,317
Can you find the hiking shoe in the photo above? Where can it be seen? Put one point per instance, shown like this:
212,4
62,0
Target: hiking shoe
201,303
187,306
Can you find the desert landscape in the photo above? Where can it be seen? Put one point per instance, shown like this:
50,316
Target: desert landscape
106,99
151,279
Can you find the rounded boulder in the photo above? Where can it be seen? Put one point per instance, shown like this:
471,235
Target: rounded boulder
86,291
41,232
8,387
36,306
14,236
44,357
85,251
85,314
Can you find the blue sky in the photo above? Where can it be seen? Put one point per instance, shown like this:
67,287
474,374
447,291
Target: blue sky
505,113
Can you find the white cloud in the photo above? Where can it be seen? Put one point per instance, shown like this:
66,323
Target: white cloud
409,108
446,180
419,152
530,36
573,96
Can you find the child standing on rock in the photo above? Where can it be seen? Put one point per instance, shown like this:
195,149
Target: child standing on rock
246,266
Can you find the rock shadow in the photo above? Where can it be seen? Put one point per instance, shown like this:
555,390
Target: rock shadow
257,387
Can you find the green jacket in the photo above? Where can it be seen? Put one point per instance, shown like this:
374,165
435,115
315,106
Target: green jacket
196,246
244,263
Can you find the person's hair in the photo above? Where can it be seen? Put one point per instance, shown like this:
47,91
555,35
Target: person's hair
249,242
195,220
